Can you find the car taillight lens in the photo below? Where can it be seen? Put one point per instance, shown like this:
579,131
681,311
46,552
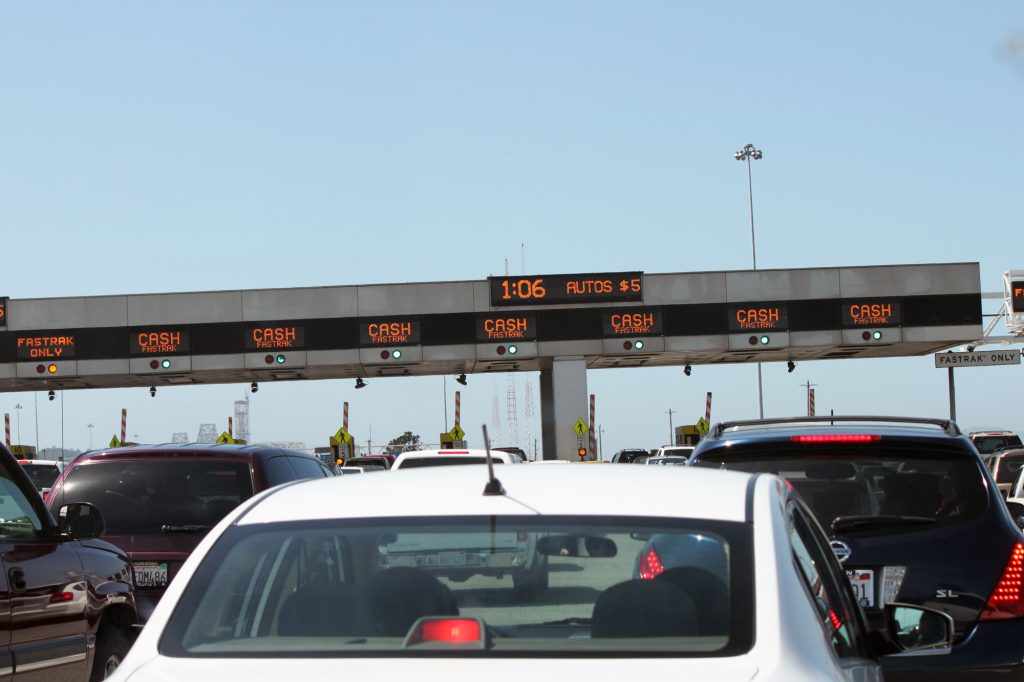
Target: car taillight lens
837,438
1007,600
650,565
454,630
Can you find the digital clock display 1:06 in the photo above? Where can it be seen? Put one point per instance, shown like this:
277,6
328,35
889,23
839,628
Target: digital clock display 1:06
558,289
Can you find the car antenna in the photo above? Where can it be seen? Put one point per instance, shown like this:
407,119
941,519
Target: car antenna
493,486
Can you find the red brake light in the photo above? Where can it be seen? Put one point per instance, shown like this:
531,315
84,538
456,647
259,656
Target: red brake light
61,597
650,565
1007,599
453,630
836,622
454,452
837,438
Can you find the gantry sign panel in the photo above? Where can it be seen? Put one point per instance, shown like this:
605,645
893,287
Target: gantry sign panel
501,324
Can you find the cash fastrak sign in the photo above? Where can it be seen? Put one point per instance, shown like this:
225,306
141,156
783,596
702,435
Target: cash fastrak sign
978,358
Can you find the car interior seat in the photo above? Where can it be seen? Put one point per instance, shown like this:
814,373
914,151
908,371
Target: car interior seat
643,608
708,593
911,494
399,596
323,609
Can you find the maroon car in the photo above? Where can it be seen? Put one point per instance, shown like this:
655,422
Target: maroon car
158,501
67,606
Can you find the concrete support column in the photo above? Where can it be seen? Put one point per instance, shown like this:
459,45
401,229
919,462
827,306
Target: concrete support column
563,400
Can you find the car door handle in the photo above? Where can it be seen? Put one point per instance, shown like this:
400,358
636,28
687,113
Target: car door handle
16,578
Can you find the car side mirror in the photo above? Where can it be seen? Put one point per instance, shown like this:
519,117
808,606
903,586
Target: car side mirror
917,631
81,520
1017,512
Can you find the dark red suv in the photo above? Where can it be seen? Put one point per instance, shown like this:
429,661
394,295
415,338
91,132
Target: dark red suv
66,601
158,501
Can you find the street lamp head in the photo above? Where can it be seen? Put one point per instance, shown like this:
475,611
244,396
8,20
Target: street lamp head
756,154
739,156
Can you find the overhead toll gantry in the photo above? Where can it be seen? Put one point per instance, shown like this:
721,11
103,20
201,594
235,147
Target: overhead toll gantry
559,325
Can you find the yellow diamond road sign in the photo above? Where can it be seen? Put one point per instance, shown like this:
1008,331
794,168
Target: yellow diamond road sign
115,442
456,433
580,427
225,439
702,426
342,437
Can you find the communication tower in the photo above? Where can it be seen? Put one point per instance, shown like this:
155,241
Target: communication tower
242,419
496,438
528,415
512,419
207,433
180,437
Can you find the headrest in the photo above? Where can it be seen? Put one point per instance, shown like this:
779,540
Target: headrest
830,471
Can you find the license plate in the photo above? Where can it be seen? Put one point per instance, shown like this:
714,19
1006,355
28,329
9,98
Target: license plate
863,583
443,559
150,574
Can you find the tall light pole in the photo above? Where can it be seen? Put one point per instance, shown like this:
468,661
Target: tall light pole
746,154
90,435
18,408
671,430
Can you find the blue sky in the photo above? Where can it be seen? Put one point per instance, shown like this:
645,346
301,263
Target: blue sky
190,146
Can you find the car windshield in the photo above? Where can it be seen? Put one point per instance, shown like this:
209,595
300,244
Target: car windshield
42,475
149,496
558,586
944,486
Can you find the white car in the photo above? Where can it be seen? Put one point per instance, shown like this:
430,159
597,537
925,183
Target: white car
430,458
672,451
296,584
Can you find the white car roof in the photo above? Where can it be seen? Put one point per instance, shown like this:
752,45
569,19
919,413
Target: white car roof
458,491
496,455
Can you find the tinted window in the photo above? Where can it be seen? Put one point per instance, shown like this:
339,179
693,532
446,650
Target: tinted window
277,470
143,496
42,475
307,468
1009,467
989,444
18,521
443,461
944,485
260,586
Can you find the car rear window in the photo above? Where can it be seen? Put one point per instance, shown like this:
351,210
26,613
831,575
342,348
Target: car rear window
152,495
1009,467
847,480
412,462
989,444
42,475
341,588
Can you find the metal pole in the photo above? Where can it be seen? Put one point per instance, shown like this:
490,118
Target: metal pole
35,395
952,396
750,191
671,431
445,384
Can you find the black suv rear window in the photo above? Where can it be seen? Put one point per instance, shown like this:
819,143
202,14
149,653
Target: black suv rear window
42,475
935,486
986,445
144,496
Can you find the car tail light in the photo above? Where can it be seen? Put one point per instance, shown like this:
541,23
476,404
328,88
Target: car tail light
837,438
453,630
650,565
1007,599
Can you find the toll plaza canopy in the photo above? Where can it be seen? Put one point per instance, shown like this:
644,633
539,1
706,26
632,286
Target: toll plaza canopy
510,323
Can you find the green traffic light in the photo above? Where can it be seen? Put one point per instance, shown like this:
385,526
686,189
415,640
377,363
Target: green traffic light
764,340
396,354
165,363
512,350
280,359
876,335
638,345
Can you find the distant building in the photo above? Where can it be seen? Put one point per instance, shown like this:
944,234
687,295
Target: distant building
180,437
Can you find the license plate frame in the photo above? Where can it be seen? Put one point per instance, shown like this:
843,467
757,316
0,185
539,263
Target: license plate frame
443,560
862,580
150,573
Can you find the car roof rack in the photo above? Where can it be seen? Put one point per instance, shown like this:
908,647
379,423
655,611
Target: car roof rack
946,425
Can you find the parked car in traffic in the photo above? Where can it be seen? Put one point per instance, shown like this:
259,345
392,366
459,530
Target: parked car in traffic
914,517
314,588
67,603
414,459
372,462
685,451
158,501
987,442
43,473
1005,465
627,455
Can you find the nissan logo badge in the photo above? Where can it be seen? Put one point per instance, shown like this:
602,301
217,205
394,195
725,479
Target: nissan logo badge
840,549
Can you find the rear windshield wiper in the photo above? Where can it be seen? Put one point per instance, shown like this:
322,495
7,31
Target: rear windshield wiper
185,529
853,523
569,621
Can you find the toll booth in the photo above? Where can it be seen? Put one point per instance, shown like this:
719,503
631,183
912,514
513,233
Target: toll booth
687,435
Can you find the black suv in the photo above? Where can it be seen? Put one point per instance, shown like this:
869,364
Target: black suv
67,599
913,515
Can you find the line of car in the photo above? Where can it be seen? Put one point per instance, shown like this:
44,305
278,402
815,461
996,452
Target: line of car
822,554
